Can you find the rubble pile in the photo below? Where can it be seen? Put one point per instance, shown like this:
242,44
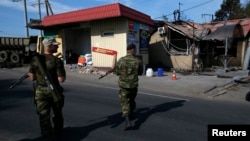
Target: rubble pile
88,69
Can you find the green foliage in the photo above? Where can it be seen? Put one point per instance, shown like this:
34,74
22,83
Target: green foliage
247,10
230,9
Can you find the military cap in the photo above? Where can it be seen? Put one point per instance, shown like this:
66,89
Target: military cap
130,46
50,41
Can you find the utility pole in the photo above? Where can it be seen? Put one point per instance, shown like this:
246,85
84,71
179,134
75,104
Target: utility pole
25,15
26,18
39,13
180,6
39,10
179,15
48,8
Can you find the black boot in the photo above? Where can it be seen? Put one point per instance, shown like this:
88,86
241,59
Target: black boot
58,125
131,116
128,124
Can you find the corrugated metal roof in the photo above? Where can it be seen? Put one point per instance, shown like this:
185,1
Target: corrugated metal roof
97,13
245,24
218,30
189,29
226,31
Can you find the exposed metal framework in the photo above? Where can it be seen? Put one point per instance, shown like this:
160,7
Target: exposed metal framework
49,10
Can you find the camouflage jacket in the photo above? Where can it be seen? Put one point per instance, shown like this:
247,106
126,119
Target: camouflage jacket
128,68
54,67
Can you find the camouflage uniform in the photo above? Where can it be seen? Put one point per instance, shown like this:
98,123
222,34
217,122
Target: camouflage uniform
43,95
128,68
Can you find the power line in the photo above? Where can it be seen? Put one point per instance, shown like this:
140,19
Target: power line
188,8
197,6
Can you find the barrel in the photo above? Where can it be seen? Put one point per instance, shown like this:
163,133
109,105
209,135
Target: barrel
160,72
149,72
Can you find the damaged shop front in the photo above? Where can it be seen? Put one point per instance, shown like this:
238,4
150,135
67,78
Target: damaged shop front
176,45
186,45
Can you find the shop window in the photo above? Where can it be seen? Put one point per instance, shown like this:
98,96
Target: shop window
108,34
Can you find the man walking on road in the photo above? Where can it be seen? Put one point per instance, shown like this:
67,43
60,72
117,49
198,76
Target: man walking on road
128,68
44,96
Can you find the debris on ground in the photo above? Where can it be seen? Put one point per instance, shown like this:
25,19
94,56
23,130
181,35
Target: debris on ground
233,85
88,69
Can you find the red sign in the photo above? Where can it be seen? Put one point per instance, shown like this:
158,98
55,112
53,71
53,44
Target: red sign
130,25
104,51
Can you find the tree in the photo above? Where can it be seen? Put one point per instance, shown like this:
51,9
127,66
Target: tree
247,10
230,9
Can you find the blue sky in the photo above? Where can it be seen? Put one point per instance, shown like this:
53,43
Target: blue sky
13,19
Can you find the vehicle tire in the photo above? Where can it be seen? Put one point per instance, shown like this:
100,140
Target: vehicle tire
3,56
14,57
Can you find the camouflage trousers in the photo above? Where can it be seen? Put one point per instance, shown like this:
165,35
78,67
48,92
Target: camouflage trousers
44,103
127,98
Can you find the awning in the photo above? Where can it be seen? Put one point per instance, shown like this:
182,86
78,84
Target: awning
226,31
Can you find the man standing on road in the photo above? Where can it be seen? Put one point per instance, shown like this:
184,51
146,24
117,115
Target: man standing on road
128,68
44,99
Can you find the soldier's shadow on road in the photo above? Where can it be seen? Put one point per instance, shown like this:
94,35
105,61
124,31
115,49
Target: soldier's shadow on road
142,114
79,133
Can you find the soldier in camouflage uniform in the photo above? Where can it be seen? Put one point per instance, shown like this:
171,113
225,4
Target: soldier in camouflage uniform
43,94
128,68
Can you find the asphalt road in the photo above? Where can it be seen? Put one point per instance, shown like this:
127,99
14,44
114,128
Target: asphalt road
92,113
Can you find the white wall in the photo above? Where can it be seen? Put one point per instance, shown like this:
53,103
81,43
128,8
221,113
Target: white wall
118,42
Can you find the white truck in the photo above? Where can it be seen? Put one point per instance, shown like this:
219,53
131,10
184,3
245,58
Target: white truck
16,51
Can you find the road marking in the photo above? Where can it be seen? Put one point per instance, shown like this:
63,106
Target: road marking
94,85
144,93
164,96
